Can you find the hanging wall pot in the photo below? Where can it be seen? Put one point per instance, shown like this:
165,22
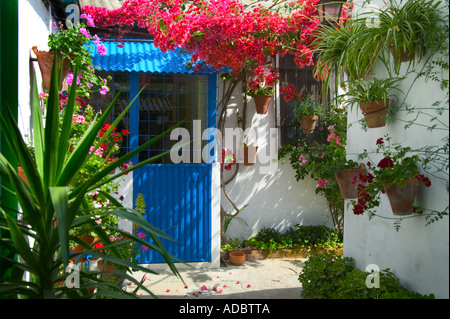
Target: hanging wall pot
45,61
345,178
375,113
250,155
262,103
402,197
308,123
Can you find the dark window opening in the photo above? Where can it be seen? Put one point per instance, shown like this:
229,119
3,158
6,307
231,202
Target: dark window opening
305,83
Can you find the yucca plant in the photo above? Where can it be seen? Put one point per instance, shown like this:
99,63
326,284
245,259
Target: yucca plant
50,208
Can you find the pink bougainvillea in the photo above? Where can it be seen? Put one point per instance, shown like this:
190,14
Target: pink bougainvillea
218,32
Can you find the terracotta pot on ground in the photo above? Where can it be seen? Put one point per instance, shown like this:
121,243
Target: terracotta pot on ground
237,257
45,61
375,113
308,123
345,177
402,197
262,103
250,155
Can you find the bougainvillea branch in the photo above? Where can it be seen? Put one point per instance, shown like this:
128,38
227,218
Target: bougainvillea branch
219,32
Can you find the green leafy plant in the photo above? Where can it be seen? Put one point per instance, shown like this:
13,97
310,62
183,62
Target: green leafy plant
409,28
349,49
329,276
51,208
307,107
370,91
317,236
71,44
323,157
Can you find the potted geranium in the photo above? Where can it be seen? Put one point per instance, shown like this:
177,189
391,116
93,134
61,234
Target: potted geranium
396,175
307,112
262,87
373,98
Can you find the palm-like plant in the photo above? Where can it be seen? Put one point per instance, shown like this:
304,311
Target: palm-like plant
51,208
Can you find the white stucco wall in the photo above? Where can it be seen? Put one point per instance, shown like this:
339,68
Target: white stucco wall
34,27
417,254
274,198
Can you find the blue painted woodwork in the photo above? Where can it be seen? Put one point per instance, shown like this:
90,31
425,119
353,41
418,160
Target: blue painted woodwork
178,201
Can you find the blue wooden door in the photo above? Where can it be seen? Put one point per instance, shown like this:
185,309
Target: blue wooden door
178,201
177,196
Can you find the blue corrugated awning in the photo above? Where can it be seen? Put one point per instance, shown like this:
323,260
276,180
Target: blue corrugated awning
143,56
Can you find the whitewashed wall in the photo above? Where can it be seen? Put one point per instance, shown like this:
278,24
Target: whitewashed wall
417,254
274,198
34,27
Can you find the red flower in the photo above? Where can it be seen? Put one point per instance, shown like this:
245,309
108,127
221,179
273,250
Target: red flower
98,245
385,162
380,141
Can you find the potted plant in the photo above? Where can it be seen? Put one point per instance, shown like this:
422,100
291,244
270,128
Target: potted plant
71,44
346,49
307,111
408,29
396,175
262,87
373,98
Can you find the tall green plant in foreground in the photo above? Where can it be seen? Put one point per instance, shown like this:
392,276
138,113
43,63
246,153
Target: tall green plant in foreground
51,209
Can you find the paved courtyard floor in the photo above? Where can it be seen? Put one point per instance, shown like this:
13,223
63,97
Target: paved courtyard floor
255,279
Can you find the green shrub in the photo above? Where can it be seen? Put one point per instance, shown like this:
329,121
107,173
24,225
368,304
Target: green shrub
328,276
303,236
317,236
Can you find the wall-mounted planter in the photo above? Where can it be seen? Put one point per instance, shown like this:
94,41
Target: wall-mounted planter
262,103
45,61
404,55
375,113
402,197
345,177
250,155
308,123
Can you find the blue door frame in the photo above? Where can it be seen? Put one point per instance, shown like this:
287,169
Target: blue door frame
177,196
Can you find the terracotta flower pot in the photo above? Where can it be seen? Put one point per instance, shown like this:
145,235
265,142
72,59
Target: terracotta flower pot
262,103
88,239
345,177
250,155
237,257
402,197
22,175
375,113
308,123
45,61
404,55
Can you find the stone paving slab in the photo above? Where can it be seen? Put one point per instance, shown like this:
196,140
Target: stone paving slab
255,279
